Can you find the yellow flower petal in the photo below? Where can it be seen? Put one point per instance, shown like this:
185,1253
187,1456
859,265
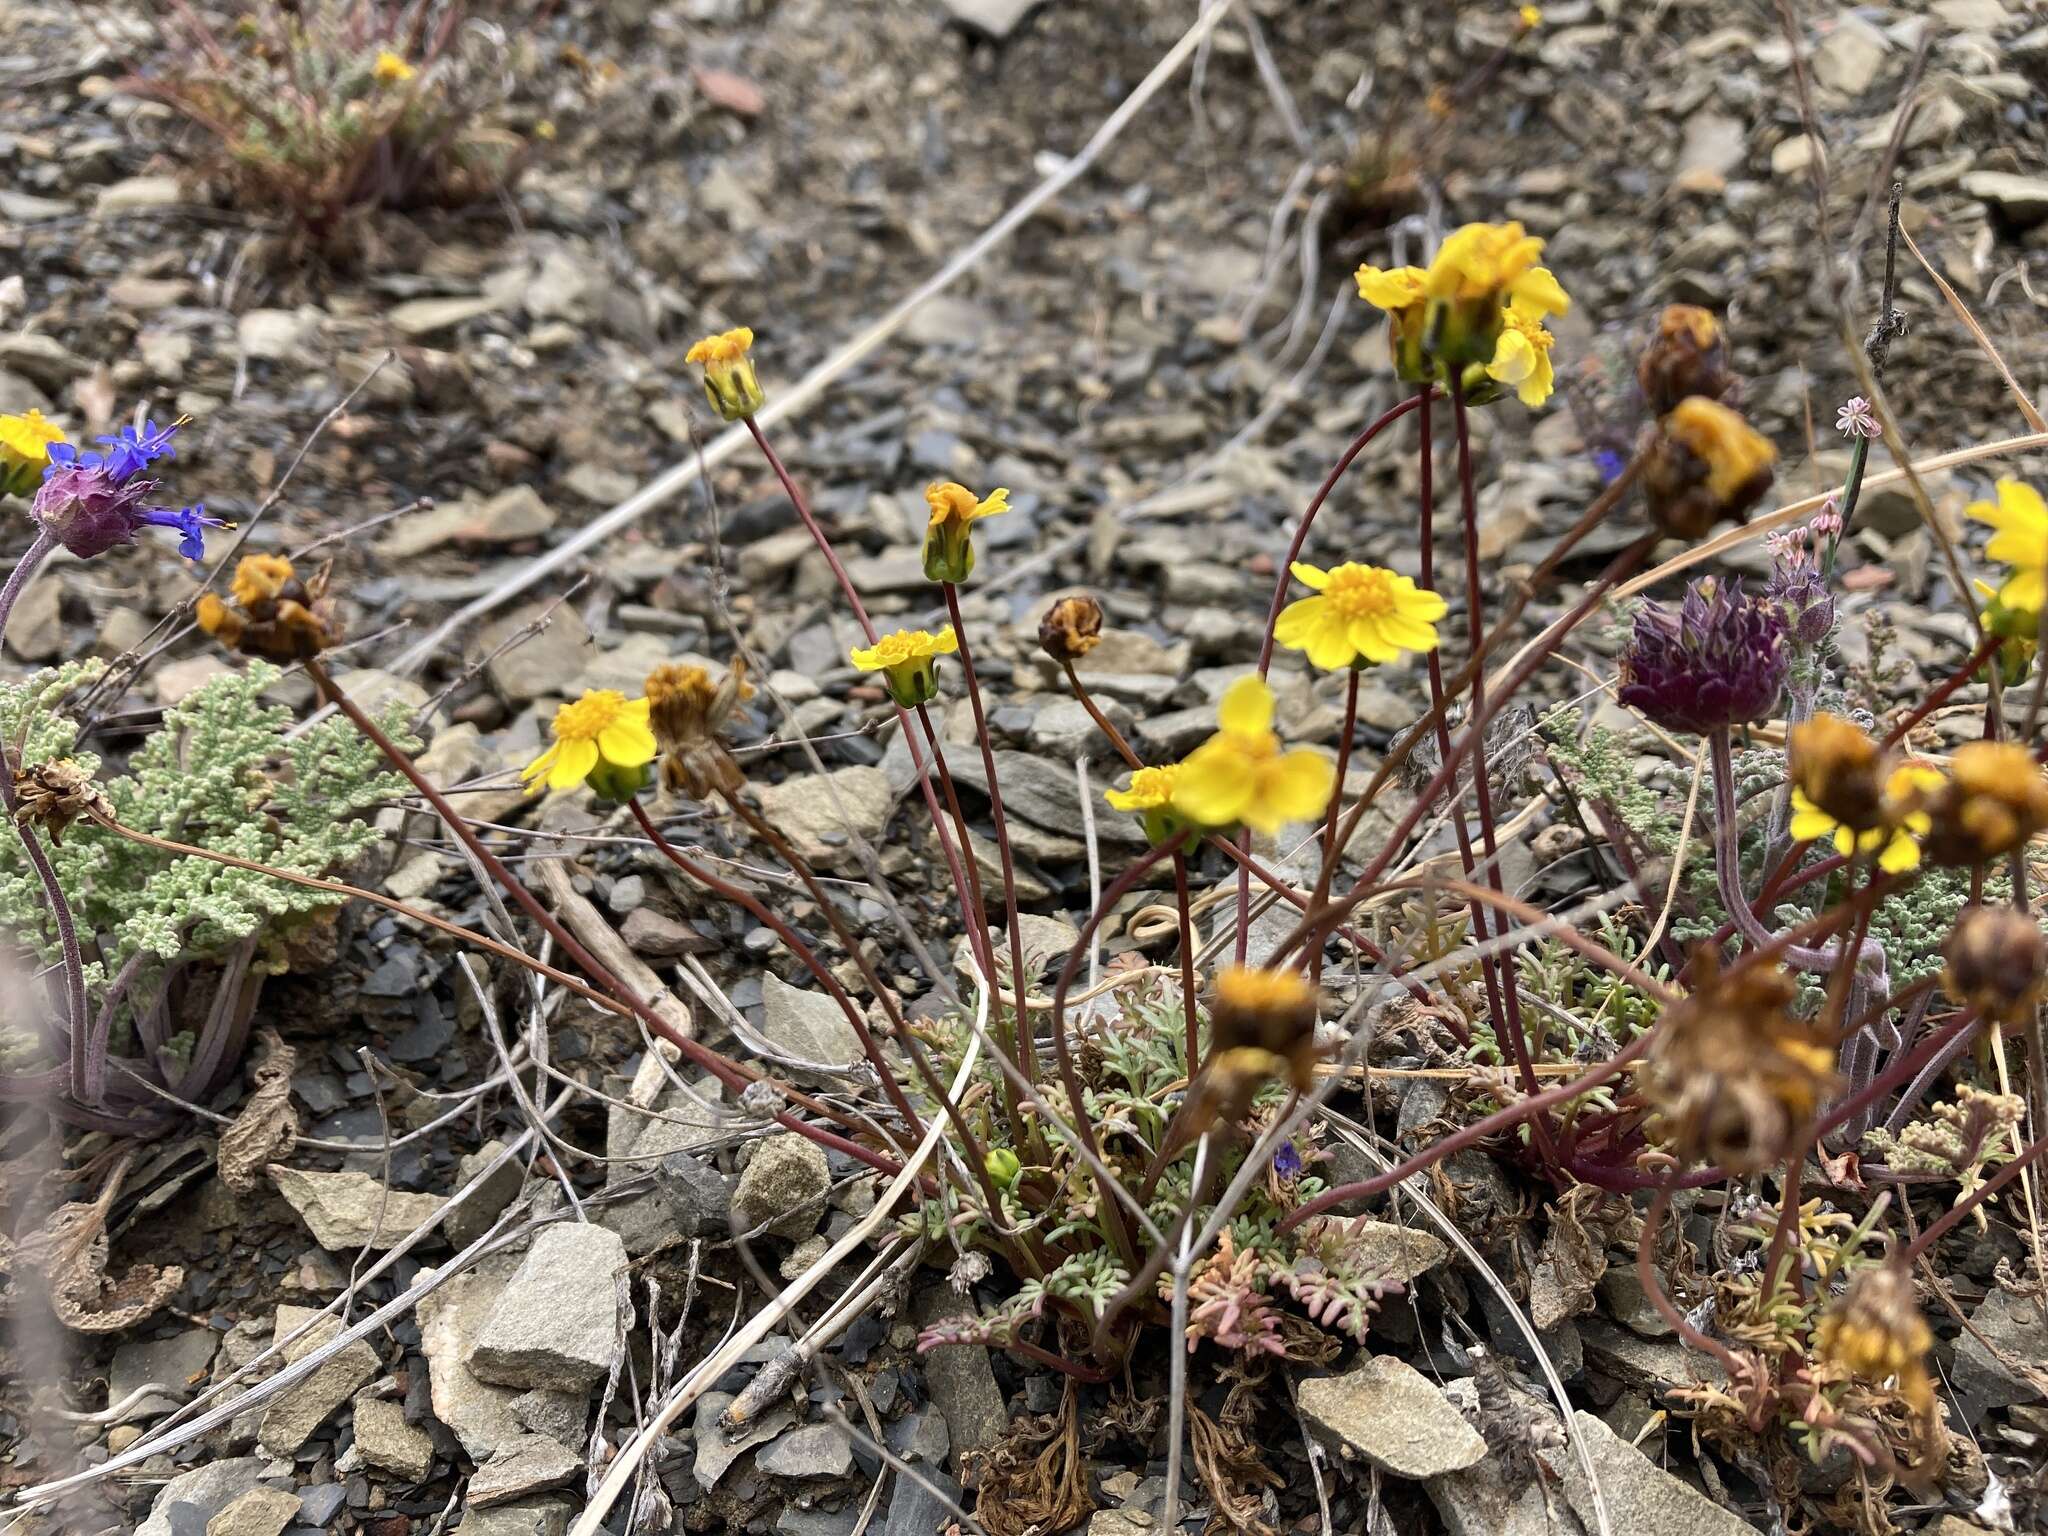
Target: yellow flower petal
2026,589
1315,578
1297,788
1539,291
1247,707
1212,788
1900,855
573,762
535,771
629,744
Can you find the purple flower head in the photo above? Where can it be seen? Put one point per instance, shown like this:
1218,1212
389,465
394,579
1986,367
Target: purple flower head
1720,660
1287,1161
93,502
1802,595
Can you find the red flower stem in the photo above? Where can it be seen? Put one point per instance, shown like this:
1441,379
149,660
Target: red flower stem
733,1074
1507,985
1077,1106
1187,962
1102,721
958,861
1653,1287
1326,869
1285,574
1020,982
1940,695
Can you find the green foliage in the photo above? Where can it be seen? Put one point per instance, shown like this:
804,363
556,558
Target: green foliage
222,773
1602,767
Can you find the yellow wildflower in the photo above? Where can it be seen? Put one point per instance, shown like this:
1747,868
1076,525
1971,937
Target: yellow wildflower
1705,463
1241,775
602,739
908,662
1531,17
391,68
1992,801
1150,797
2020,517
1895,840
1479,271
1402,293
729,381
1262,1027
686,711
1997,962
1876,1331
1364,613
949,536
25,451
1521,357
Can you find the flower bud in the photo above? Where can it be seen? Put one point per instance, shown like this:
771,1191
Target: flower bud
1002,1166
729,381
1686,357
1997,960
1071,628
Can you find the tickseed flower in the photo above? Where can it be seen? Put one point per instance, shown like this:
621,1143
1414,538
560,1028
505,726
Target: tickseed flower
1477,273
1686,356
1150,797
1705,463
1361,613
1071,628
1521,358
908,662
1719,661
391,68
52,795
1997,962
1993,801
1262,1027
686,711
275,614
602,739
1856,418
1734,1077
1241,775
2020,519
2018,630
729,381
1896,837
1400,291
1838,770
1531,17
25,451
1876,1331
949,536
93,502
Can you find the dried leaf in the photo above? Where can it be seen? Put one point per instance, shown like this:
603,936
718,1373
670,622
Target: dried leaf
66,1259
268,1127
1027,1492
1585,1223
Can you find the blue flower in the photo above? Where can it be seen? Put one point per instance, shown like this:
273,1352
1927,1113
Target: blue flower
192,522
1610,464
129,451
93,502
1287,1161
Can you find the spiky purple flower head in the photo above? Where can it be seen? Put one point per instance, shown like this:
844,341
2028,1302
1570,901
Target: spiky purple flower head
93,502
1720,660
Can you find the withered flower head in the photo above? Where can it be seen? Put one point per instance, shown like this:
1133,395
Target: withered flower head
1734,1077
276,615
1840,769
54,794
1071,628
1704,463
1877,1332
1686,357
1262,1026
1720,660
1993,801
1997,962
688,711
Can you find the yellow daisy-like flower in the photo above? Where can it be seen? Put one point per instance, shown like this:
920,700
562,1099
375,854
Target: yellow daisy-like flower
1241,775
1897,843
1150,798
1531,17
25,451
1496,262
908,662
2020,518
729,381
1403,293
1521,357
602,739
391,68
1364,614
949,536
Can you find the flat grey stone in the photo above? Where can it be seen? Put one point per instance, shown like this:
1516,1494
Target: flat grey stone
815,1450
961,1381
471,1219
259,1512
180,1361
715,1453
1395,1417
915,1510
478,1413
352,1210
806,1023
782,1188
521,1467
1642,1498
817,812
556,1325
2019,1329
386,1441
293,1415
192,1498
545,1516
697,1195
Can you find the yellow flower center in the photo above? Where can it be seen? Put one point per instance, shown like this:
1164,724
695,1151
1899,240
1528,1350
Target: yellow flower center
589,717
1362,592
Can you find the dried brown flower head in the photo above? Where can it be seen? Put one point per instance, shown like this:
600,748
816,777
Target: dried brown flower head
1703,463
1840,769
1262,1026
54,794
1071,628
276,615
1687,356
687,711
1997,961
1877,1332
1993,801
1734,1077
